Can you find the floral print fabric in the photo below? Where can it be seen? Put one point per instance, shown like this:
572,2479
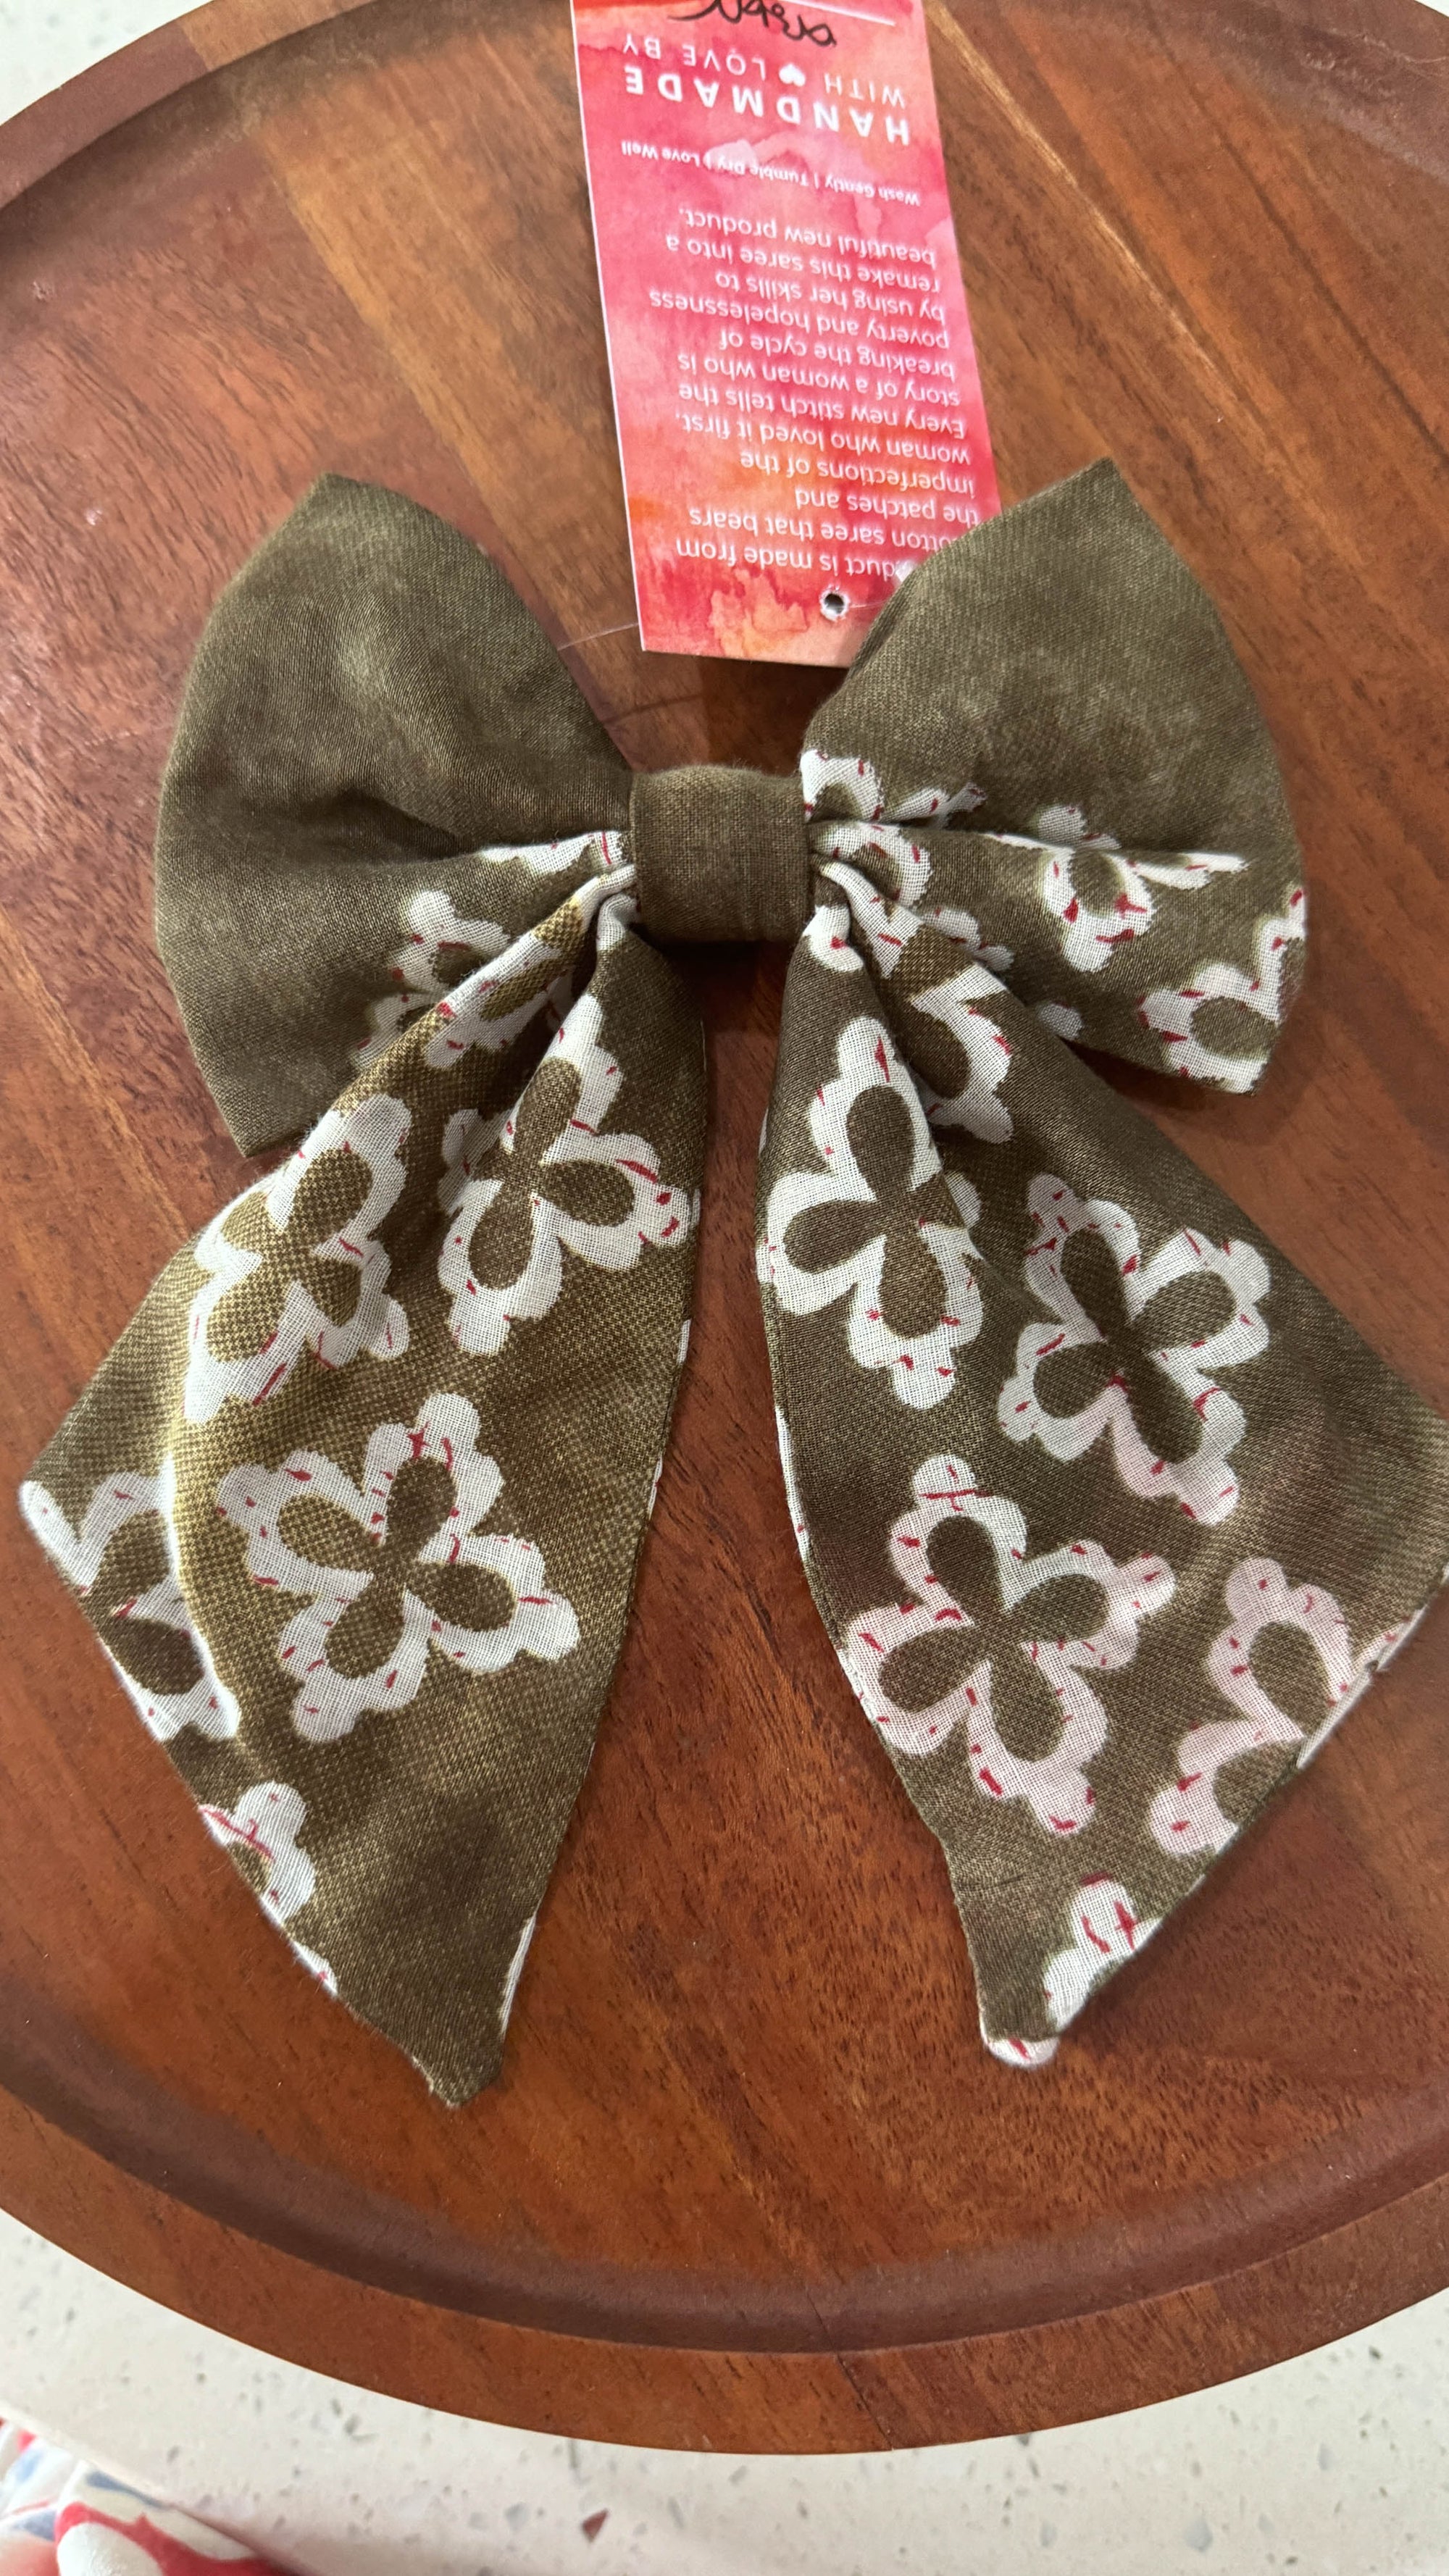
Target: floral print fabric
1109,1515
60,2517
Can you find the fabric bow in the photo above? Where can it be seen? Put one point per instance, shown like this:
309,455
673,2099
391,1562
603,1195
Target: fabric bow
355,1502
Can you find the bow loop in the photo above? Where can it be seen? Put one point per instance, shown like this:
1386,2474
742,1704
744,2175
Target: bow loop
371,702
1047,747
1064,656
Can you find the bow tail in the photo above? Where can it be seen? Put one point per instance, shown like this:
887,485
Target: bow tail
1109,1514
355,1503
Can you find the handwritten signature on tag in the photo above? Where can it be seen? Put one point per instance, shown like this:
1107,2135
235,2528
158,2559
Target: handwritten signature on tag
769,13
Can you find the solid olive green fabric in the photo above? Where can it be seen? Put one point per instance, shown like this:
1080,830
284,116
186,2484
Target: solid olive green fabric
1110,1516
720,854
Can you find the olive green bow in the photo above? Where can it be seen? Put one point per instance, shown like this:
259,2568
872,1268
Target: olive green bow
356,1501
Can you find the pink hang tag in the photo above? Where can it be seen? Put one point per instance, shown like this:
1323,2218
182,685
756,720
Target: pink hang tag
799,412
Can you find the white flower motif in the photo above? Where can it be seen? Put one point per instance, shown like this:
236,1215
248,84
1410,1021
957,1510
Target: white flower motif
267,1821
915,1208
329,1702
887,928
374,1129
1172,1010
851,787
827,936
553,1133
205,1703
614,916
854,820
1202,1483
965,930
313,1962
1106,1930
1013,2051
987,1051
493,1006
1089,937
469,1016
910,862
551,858
439,941
1187,1817
1055,1786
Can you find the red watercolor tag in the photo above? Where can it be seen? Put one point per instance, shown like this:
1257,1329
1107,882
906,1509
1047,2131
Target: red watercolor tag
799,411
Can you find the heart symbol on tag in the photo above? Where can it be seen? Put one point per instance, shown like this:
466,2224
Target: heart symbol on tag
792,73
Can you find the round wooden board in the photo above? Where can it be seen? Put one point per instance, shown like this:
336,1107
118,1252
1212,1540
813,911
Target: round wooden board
749,2181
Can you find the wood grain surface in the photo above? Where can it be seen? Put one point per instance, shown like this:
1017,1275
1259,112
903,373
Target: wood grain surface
749,2181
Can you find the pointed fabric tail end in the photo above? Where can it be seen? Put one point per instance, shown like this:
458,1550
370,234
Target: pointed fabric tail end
1109,1514
355,1504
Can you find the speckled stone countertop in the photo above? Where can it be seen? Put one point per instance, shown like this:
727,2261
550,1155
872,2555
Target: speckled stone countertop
1337,2464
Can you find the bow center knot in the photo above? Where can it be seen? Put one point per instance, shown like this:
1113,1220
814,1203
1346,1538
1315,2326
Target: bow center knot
720,854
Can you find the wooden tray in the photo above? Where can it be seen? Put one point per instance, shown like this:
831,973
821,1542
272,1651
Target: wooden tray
750,2181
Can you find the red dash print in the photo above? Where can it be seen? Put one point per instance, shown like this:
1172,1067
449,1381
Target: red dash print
593,2523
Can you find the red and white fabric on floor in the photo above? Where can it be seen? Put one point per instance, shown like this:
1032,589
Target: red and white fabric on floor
59,2517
